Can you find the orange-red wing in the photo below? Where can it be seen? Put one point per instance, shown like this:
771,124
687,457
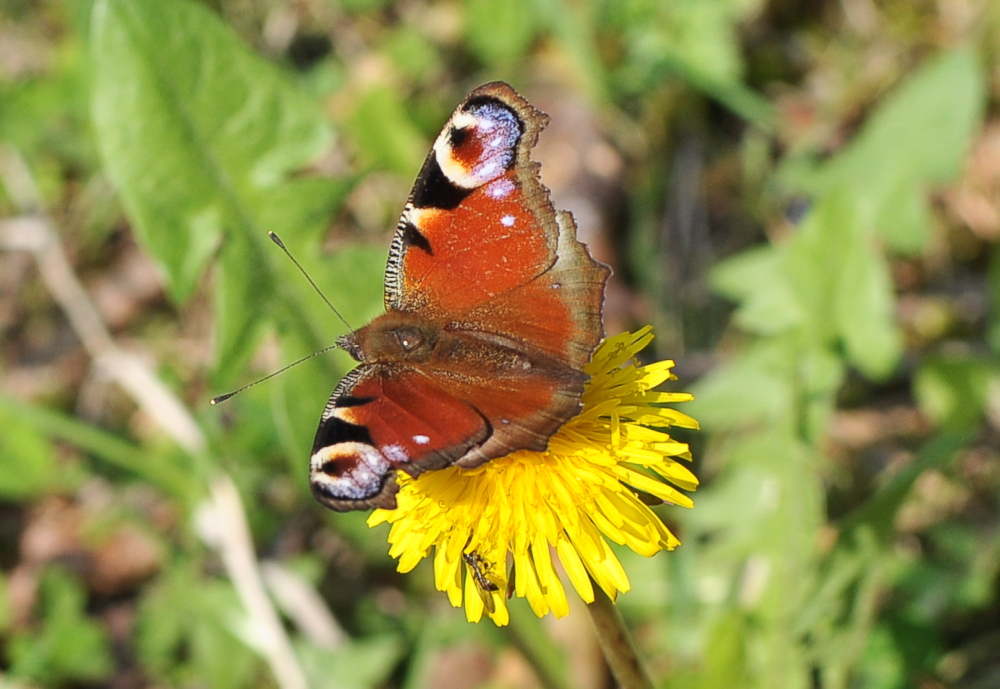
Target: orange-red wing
379,421
479,246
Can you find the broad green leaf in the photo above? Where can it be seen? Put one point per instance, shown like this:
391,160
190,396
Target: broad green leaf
500,31
771,308
199,135
760,374
816,257
68,646
952,390
364,664
757,277
779,382
383,132
924,126
842,284
186,632
29,467
727,641
865,312
882,665
739,276
917,137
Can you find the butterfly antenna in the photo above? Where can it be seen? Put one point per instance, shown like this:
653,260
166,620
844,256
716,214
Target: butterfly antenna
277,240
223,398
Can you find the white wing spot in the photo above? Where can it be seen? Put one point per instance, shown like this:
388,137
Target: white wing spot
421,439
500,188
395,453
487,170
507,221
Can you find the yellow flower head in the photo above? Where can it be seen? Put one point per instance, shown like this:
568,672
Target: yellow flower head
572,497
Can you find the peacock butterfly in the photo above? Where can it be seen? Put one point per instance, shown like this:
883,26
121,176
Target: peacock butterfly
492,309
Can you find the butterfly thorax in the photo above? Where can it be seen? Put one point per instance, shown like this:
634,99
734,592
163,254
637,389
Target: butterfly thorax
393,337
399,337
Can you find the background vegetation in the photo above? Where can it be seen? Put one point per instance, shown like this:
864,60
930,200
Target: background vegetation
802,196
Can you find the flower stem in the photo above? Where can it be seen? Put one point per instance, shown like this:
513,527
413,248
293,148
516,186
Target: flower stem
616,643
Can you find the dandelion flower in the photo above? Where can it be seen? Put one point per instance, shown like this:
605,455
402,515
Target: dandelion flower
565,503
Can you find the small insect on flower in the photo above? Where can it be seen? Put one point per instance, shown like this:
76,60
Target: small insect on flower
562,505
483,579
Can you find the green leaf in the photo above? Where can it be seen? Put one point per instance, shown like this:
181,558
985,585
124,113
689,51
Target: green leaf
757,279
727,639
199,135
917,137
29,466
864,310
720,397
185,632
739,276
382,130
68,646
842,283
924,127
500,31
953,390
362,664
816,257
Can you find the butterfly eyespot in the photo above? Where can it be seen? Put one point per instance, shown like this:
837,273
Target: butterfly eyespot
458,135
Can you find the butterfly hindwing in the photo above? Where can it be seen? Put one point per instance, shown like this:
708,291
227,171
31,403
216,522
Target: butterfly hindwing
378,421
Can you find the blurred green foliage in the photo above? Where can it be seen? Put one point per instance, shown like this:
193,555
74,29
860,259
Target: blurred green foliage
68,645
826,143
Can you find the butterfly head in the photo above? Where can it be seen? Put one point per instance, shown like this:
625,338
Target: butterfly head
393,337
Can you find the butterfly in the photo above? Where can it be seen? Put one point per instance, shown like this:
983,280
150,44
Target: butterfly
492,309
